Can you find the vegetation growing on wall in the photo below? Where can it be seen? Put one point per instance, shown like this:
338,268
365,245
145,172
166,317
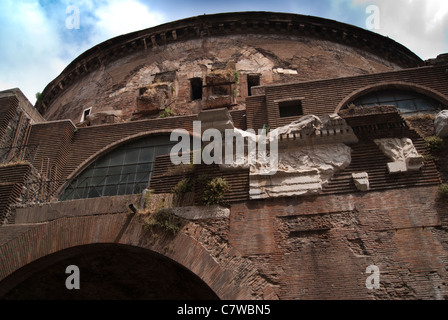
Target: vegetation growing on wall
167,112
214,190
443,191
435,145
163,219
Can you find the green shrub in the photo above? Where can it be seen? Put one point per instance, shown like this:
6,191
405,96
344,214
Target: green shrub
166,113
165,220
434,143
214,191
182,187
237,76
443,191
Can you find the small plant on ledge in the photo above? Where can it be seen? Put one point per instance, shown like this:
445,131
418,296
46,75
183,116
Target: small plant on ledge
162,219
165,220
434,143
167,112
443,191
214,190
184,186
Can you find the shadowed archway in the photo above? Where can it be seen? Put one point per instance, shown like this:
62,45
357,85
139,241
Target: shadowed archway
107,271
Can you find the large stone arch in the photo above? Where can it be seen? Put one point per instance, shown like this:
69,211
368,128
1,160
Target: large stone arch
393,85
215,262
106,271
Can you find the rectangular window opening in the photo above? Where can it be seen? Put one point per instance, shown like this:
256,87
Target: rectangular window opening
253,80
195,89
85,113
290,108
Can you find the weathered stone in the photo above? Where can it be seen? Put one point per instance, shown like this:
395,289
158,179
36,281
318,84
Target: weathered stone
216,118
107,116
201,212
300,171
403,154
155,97
311,129
361,181
441,124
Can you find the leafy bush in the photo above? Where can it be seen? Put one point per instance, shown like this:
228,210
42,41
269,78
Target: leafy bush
434,143
165,220
443,191
166,113
214,191
182,187
236,76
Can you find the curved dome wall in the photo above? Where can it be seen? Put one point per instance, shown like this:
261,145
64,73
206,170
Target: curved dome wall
210,61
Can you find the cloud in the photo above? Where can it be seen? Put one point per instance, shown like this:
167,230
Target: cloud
37,45
120,17
420,25
27,39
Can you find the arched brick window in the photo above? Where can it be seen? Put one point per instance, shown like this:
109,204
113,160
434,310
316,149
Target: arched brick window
125,170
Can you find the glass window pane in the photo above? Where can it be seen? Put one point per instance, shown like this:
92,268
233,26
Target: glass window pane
82,182
385,96
369,99
162,150
128,173
82,192
403,95
97,181
142,178
102,162
423,104
96,191
144,168
406,106
131,156
110,190
122,189
68,194
88,173
113,175
99,172
116,158
130,188
139,188
146,154
79,193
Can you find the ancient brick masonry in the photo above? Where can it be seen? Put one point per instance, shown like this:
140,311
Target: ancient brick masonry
319,248
358,185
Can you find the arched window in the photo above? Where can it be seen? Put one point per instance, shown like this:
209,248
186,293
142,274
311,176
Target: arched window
407,102
125,170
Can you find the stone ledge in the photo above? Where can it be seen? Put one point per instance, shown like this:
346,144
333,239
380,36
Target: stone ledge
199,213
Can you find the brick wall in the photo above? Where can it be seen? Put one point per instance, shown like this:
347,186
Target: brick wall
64,150
324,96
320,247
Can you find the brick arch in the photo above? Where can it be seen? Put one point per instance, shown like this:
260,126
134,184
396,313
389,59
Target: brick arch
236,280
432,93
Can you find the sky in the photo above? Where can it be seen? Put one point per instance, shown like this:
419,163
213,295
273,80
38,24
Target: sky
39,38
